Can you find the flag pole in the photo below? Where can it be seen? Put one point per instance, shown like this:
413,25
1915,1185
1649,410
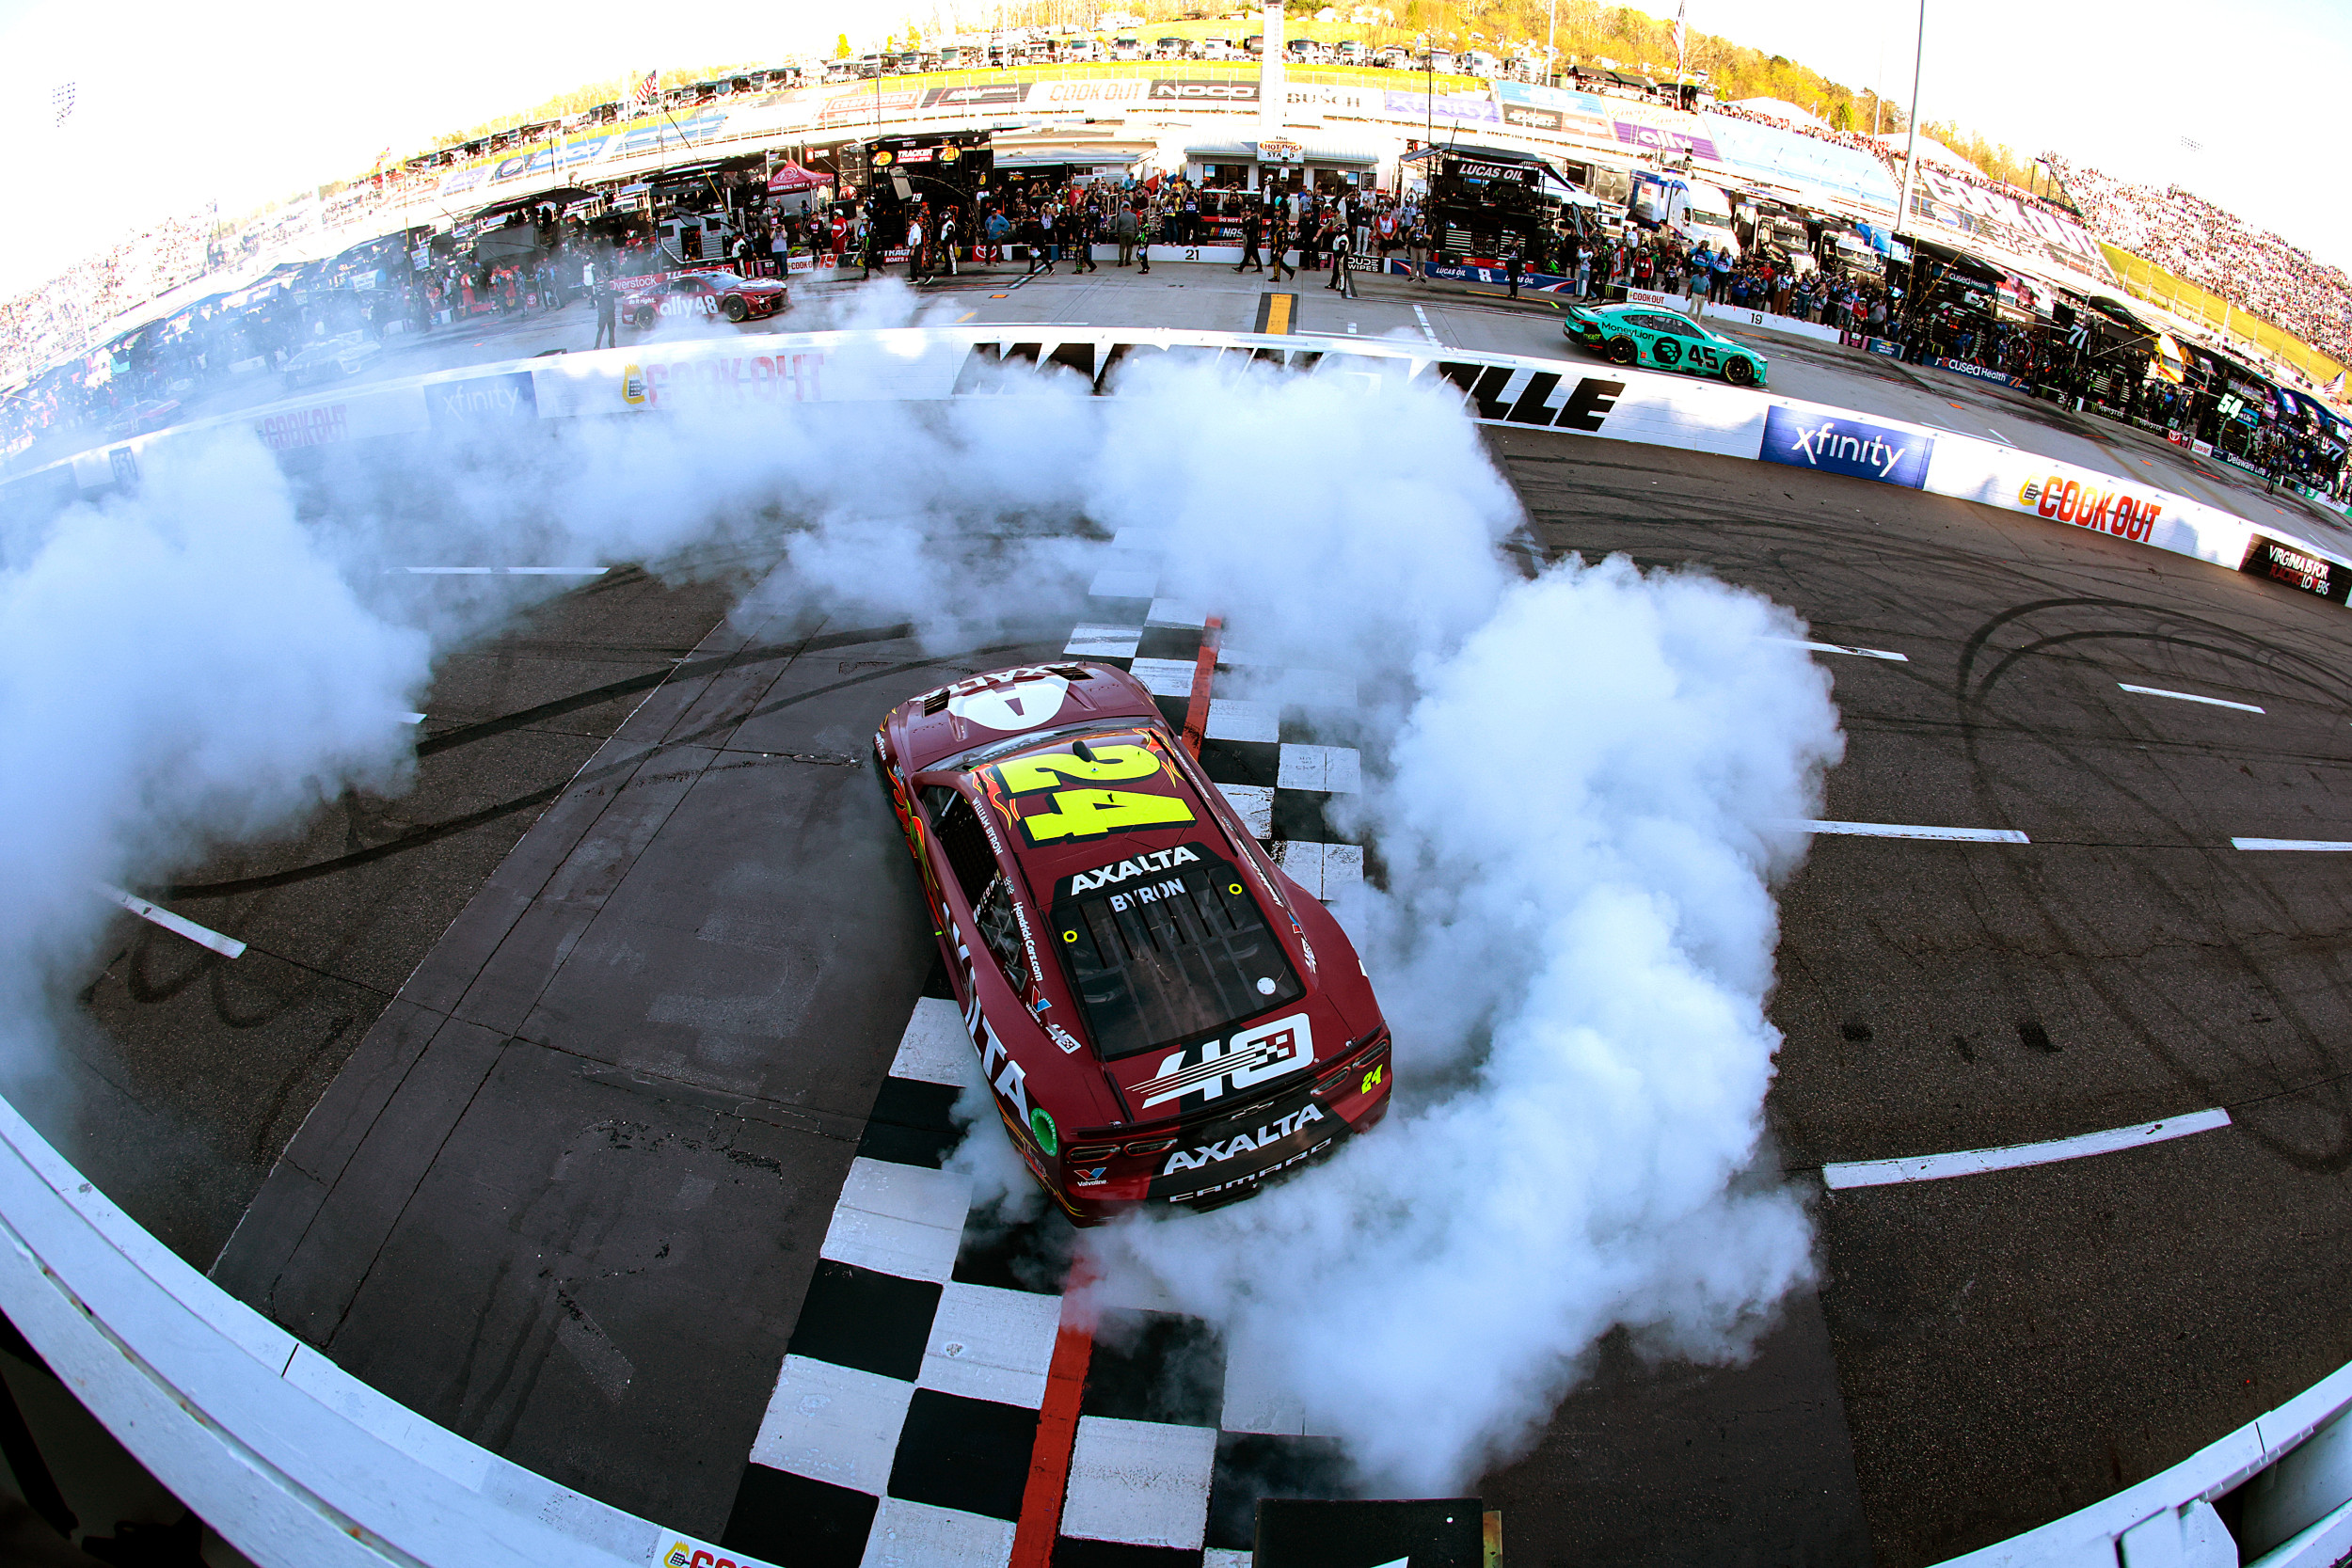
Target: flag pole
1911,142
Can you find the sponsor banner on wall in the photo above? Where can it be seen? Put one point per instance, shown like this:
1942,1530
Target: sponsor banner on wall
478,400
986,94
2122,510
2266,557
1585,111
1657,138
1979,373
1444,106
1478,270
1832,441
1133,89
559,154
850,105
1173,89
305,427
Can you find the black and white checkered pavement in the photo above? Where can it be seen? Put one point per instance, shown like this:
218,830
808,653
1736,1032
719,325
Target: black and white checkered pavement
902,1424
1256,745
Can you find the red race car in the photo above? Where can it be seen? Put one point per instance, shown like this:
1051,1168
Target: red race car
1164,1016
700,294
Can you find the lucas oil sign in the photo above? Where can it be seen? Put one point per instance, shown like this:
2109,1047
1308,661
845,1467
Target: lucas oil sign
1833,442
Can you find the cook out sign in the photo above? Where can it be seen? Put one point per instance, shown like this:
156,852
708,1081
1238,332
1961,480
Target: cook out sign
2071,501
740,377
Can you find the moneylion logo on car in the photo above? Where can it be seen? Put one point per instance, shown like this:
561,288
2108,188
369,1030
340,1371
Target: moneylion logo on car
1833,442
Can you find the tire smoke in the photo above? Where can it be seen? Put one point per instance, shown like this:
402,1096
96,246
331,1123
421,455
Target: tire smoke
1572,782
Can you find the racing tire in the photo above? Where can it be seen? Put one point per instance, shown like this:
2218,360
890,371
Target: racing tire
640,319
735,309
1622,351
1740,373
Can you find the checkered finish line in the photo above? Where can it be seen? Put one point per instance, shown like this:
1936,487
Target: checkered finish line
901,1431
902,1426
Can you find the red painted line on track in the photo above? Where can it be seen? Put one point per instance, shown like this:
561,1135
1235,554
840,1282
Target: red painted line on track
1056,1432
1203,672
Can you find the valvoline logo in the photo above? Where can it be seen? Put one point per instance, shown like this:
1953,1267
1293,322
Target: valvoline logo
1837,442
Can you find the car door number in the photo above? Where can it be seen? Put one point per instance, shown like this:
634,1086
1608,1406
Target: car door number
1087,813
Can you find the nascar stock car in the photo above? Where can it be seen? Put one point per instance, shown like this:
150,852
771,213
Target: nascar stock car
1663,340
1163,1016
646,300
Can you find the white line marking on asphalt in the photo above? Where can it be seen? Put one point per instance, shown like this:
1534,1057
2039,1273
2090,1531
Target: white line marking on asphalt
412,718
1971,1161
2187,697
1351,329
228,947
1998,437
1427,330
2322,844
1841,648
505,571
1906,829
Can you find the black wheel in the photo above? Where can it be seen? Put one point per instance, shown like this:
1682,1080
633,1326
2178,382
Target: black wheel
734,309
1740,373
1622,351
642,319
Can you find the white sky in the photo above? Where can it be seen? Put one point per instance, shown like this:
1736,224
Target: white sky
177,105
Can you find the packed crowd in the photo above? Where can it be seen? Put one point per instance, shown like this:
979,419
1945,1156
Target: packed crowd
1813,128
42,323
2254,269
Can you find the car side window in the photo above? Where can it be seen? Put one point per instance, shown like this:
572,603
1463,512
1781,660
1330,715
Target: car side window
966,845
1000,928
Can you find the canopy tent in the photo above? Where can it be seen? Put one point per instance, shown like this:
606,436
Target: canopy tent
790,178
559,199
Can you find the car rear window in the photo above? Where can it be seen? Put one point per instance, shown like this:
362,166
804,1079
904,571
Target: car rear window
1159,954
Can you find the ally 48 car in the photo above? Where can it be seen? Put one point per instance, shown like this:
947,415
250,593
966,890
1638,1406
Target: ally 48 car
1164,1018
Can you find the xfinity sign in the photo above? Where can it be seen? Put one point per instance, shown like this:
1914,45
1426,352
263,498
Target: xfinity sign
1832,442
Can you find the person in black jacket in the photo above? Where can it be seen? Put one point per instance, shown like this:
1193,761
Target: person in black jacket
1252,228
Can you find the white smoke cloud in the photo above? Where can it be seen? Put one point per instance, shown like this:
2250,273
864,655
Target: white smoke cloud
1579,820
177,670
1572,781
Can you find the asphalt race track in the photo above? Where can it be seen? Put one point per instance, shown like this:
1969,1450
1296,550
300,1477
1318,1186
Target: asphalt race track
655,946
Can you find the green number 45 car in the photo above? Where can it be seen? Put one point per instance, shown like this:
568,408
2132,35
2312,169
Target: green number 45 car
1663,340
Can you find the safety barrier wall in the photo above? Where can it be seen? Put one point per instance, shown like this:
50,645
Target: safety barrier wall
301,1466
